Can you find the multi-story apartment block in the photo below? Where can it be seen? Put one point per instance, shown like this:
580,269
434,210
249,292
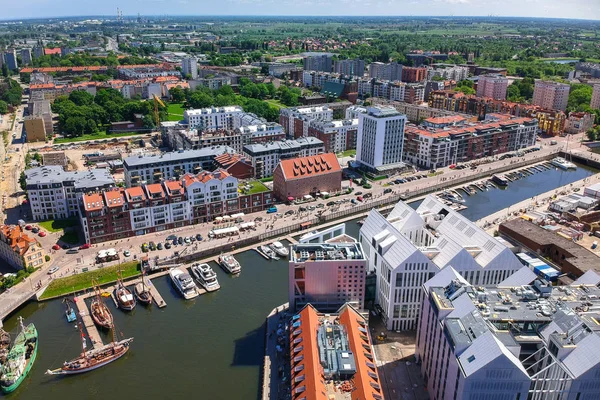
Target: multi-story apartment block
288,118
337,136
354,67
326,275
189,66
26,56
266,156
414,93
212,118
278,69
414,74
19,250
434,146
492,86
54,193
380,138
595,103
38,124
144,72
386,72
578,122
10,58
551,95
409,247
516,340
157,168
446,71
119,213
318,61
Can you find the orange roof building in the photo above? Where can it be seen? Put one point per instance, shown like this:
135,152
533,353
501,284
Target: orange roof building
18,249
297,177
348,366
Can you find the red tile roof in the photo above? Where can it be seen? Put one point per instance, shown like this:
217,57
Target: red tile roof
173,186
93,202
296,168
114,198
155,188
49,52
135,192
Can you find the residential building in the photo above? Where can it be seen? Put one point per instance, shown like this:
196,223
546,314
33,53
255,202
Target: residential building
414,93
38,51
337,136
409,247
38,124
551,95
328,350
236,165
415,113
591,68
492,86
443,141
298,177
212,118
419,58
55,158
318,61
26,56
19,250
326,276
386,72
157,168
119,213
354,67
144,72
595,103
278,69
513,340
189,66
266,156
54,193
448,71
380,138
213,83
414,74
10,58
579,122
292,119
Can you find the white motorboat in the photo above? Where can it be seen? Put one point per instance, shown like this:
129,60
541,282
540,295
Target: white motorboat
562,163
268,252
280,249
206,276
184,283
229,263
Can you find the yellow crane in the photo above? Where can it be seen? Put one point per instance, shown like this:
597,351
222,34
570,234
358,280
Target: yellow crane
157,101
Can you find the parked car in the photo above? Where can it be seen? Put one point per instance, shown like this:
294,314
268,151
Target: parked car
126,253
358,193
35,230
53,270
73,251
386,191
28,227
353,201
368,195
289,212
167,245
171,237
145,247
180,240
159,246
42,234
320,205
84,246
198,237
302,209
175,242
56,247
152,246
331,203
187,240
272,210
360,198
311,208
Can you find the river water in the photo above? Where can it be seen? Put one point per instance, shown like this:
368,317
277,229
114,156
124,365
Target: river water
211,347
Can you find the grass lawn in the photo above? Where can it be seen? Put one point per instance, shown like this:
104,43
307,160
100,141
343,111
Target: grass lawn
103,276
97,136
175,111
276,103
257,187
348,153
58,225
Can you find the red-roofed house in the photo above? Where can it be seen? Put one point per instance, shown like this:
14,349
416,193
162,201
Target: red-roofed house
235,165
297,177
54,51
19,250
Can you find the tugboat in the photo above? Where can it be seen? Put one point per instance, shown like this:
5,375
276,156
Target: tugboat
124,297
20,358
229,264
100,313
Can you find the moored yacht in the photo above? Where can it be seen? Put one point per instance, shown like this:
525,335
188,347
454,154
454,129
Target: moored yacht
206,276
184,283
229,263
280,249
562,163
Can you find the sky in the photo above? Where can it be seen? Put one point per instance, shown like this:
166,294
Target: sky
581,9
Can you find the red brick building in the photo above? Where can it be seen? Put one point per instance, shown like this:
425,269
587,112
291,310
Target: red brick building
414,74
297,177
236,165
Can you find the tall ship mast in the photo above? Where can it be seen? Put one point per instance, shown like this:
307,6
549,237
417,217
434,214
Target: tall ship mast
20,358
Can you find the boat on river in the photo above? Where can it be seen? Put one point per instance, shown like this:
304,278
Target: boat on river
4,346
142,292
125,299
69,311
562,163
99,312
206,276
20,358
229,263
184,283
280,249
500,180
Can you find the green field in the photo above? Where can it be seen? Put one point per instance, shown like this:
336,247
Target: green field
348,153
58,225
175,111
276,103
79,282
97,136
257,187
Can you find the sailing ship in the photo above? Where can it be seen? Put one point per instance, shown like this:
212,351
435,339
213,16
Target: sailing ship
142,292
99,311
20,358
69,312
125,299
4,345
90,360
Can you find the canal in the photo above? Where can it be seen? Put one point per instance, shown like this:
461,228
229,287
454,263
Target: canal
211,347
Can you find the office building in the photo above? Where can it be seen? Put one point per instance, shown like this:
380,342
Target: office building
326,275
409,247
54,193
330,351
295,119
189,66
212,118
26,56
157,168
514,340
318,61
337,136
414,74
493,87
354,67
380,138
18,250
387,72
551,95
595,104
266,156
10,58
295,178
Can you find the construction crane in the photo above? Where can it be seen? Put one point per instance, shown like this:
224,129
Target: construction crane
157,101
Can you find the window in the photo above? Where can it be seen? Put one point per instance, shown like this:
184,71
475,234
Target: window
471,358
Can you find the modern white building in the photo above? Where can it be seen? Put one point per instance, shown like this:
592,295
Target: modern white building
380,138
452,72
326,275
289,116
54,193
510,341
212,118
492,86
337,136
551,95
189,65
410,246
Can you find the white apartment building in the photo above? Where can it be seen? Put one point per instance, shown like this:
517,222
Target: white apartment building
54,193
396,91
189,65
595,103
453,72
337,136
380,138
510,341
493,87
410,246
326,275
288,116
266,156
551,95
212,118
353,112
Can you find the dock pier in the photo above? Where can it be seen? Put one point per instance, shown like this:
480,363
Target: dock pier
90,327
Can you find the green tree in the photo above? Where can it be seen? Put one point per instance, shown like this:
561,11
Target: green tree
3,107
177,95
592,135
200,100
81,98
